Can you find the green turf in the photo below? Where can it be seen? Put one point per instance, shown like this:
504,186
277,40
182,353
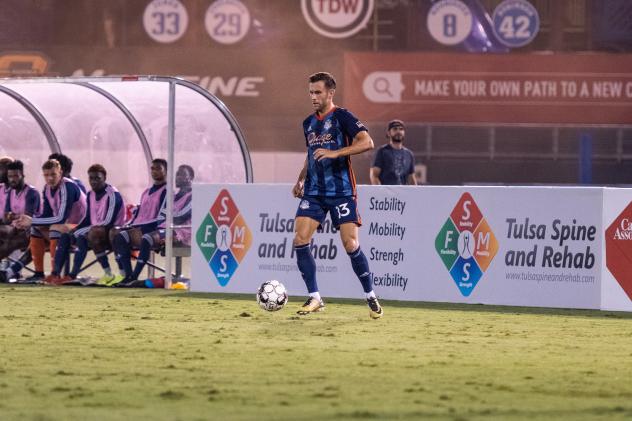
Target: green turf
92,353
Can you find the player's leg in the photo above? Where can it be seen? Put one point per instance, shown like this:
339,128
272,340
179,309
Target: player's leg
14,269
123,252
99,241
62,252
55,233
37,245
11,239
150,241
80,239
360,265
345,215
309,216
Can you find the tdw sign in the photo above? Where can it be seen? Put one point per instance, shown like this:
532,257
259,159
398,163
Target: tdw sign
337,18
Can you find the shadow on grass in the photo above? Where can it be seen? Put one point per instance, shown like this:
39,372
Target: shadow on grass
480,308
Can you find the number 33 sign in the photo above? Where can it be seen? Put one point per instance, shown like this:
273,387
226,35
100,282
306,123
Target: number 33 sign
226,21
165,20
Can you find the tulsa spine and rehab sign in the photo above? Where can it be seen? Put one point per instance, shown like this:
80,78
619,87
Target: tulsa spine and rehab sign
528,246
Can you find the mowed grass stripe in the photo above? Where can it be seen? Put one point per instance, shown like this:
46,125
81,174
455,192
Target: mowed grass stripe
93,353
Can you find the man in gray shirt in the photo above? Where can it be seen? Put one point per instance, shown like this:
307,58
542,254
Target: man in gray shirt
393,163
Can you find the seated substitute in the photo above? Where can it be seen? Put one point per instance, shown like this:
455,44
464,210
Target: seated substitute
148,216
22,199
105,211
181,216
64,207
4,183
66,168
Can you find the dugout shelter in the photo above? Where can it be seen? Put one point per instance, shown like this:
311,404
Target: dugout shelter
123,123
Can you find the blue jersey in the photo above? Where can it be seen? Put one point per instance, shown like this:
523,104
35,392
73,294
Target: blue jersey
335,130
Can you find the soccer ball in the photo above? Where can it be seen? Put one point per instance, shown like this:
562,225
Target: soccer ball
272,296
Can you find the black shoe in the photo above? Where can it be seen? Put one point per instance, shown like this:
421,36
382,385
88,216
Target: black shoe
4,276
125,283
36,278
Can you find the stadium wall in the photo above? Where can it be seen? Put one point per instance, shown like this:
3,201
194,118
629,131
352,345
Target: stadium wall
564,247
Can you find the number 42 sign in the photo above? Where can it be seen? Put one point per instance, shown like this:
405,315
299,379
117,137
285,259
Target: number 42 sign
516,22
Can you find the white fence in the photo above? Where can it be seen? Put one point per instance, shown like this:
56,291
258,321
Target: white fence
525,246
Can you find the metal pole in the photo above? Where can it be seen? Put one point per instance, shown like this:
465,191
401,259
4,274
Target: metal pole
170,182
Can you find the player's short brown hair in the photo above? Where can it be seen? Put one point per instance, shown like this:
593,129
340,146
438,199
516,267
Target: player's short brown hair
98,168
6,160
328,78
51,164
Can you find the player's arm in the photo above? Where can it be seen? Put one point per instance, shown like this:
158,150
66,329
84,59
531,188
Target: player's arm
362,142
297,190
32,202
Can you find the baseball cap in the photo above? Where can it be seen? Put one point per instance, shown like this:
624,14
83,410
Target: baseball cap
395,123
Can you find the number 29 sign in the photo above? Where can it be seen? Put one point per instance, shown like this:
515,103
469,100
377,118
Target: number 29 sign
227,21
516,22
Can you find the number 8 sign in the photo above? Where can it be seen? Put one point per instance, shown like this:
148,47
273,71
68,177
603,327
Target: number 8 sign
449,21
516,22
227,21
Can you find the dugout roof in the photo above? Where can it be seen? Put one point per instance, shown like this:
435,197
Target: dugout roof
121,123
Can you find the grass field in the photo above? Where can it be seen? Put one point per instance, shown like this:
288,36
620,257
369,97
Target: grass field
90,353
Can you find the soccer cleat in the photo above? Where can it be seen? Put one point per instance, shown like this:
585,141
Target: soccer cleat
53,279
36,278
104,280
312,305
68,280
116,280
375,309
130,283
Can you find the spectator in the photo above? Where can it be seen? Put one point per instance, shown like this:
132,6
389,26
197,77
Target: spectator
394,163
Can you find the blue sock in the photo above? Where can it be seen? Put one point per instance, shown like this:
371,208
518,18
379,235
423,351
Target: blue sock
307,266
143,255
62,252
123,253
102,258
80,255
361,268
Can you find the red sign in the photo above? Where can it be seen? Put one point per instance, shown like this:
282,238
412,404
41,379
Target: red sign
511,88
619,249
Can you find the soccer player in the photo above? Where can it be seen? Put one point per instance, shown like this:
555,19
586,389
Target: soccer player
105,211
22,199
149,215
181,216
327,184
66,168
64,207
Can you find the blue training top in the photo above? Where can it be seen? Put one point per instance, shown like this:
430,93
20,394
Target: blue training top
335,130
